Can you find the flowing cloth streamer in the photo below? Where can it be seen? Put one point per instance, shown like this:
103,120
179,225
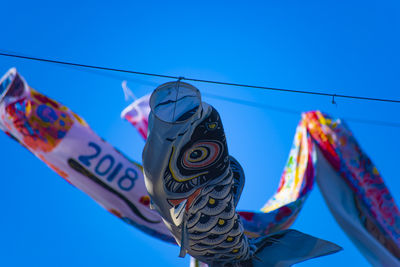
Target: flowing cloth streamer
64,141
137,114
323,149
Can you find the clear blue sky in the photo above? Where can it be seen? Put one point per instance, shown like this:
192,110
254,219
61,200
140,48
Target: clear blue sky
342,47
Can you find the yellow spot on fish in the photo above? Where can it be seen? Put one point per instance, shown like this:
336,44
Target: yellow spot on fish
211,201
229,239
235,250
221,221
212,125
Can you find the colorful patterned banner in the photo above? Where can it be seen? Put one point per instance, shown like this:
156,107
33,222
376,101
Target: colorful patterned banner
354,190
64,141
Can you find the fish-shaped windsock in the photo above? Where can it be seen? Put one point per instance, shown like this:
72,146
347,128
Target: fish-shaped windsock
195,186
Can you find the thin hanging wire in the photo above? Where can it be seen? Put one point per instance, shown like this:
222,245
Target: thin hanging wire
295,112
200,80
92,69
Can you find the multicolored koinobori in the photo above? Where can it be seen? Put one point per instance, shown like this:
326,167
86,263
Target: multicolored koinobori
354,190
192,185
64,141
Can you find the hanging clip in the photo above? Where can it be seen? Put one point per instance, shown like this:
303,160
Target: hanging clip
178,82
333,99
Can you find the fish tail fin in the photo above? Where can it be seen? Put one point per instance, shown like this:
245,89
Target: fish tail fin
288,247
281,249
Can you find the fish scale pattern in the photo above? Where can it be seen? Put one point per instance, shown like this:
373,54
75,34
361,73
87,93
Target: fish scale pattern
214,228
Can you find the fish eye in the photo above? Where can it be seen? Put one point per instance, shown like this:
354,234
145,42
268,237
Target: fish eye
198,154
201,154
212,125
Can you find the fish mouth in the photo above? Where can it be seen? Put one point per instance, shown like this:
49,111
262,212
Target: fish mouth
185,186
